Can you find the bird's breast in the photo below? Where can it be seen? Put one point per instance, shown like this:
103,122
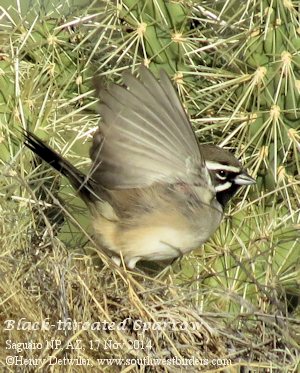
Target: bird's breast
160,233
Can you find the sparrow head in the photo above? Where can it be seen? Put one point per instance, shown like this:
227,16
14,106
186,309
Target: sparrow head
226,172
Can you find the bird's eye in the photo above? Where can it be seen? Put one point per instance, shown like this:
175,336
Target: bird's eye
221,174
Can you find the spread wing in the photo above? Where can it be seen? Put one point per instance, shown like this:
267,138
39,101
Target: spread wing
146,136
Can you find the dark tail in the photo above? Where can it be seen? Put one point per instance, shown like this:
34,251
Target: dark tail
79,181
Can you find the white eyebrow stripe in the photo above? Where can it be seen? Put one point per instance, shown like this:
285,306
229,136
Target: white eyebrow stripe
222,187
219,166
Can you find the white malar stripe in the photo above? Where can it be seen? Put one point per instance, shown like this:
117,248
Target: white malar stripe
219,166
222,187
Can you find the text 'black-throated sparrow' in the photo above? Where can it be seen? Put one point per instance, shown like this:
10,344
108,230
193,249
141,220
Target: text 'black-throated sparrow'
154,193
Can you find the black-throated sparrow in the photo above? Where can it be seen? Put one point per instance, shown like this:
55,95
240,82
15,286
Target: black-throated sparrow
153,191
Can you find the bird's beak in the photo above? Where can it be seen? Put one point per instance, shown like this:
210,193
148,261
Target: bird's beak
244,179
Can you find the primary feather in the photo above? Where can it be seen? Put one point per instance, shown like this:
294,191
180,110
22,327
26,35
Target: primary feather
146,136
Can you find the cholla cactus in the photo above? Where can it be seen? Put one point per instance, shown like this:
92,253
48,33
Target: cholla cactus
272,95
240,60
160,27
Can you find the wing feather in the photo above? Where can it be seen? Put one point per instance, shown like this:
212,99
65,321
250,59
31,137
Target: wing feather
146,135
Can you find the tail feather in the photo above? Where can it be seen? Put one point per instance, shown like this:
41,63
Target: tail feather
78,180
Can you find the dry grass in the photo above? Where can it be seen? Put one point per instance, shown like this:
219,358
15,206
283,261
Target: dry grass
164,320
227,302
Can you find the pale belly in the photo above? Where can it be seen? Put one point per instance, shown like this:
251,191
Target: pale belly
156,236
